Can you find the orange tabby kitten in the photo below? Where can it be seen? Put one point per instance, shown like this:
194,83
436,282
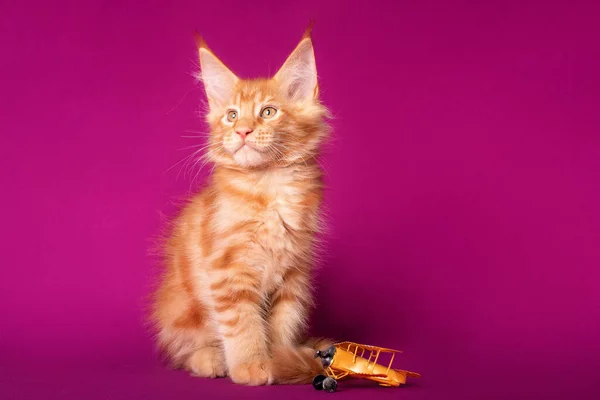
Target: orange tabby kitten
236,292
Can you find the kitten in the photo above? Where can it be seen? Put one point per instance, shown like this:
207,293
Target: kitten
235,295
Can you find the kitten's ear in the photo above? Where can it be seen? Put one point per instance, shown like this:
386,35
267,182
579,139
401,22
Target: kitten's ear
219,81
298,75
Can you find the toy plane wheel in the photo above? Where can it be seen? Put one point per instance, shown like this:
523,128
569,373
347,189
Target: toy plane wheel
326,383
318,382
330,385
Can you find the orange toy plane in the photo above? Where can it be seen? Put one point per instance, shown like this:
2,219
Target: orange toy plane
349,359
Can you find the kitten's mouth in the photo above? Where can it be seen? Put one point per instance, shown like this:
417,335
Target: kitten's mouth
247,146
247,155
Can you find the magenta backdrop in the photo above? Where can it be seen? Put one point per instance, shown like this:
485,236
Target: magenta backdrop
464,188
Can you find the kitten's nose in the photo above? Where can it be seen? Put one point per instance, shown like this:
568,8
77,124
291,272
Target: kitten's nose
243,131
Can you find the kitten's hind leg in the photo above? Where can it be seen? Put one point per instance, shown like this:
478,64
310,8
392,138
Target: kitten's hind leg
185,334
195,350
207,362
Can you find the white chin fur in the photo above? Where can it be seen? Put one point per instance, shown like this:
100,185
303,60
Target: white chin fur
248,157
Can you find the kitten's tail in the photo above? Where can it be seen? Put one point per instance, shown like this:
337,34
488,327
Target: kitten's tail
294,366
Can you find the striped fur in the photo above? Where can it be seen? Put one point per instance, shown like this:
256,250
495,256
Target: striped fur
234,297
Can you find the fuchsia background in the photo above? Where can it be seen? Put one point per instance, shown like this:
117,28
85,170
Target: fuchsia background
464,188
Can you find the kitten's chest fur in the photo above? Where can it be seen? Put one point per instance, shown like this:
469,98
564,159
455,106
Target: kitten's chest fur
276,244
281,234
280,224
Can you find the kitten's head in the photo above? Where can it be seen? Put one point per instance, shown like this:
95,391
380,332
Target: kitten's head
257,123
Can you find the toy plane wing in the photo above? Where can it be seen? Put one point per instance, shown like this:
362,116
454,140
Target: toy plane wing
409,373
363,375
367,347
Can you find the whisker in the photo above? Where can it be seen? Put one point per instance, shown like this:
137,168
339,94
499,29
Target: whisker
203,145
303,160
321,164
180,161
203,133
271,150
205,160
277,153
190,168
181,100
193,180
185,166
195,137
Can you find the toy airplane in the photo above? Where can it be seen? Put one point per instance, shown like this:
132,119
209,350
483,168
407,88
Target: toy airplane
348,359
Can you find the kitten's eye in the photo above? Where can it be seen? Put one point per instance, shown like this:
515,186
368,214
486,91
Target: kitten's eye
268,112
231,115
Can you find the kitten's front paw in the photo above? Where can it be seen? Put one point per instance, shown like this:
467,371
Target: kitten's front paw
254,373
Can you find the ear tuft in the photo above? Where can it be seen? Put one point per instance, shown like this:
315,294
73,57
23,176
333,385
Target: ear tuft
309,28
200,42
